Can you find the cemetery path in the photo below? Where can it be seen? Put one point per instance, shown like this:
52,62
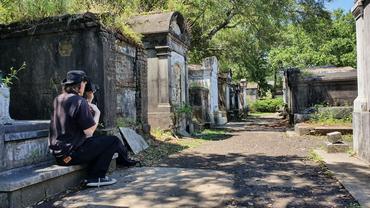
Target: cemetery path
270,168
265,161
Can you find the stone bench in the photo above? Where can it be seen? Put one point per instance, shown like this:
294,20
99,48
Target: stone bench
28,185
28,172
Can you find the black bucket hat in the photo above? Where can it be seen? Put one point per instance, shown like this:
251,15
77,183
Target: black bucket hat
76,76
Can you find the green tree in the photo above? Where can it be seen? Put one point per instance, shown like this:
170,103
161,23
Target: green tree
329,43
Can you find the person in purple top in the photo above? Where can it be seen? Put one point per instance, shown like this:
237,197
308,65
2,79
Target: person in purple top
73,122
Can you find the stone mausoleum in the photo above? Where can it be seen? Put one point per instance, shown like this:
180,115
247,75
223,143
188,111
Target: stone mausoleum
224,82
54,46
167,41
206,75
50,48
332,86
361,114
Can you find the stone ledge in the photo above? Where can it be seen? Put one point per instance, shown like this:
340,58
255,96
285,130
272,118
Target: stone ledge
306,130
341,129
26,135
34,175
303,130
25,186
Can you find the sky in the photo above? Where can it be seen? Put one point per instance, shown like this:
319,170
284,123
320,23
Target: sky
344,4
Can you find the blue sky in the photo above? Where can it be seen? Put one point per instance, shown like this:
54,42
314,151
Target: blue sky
344,4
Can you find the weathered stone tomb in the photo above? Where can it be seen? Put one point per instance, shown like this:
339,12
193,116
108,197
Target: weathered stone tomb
224,82
167,40
206,75
252,93
332,86
361,114
50,49
54,46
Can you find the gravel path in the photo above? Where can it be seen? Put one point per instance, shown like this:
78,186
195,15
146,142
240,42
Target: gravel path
268,164
270,168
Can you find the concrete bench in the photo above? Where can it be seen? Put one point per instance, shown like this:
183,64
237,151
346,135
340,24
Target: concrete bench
28,185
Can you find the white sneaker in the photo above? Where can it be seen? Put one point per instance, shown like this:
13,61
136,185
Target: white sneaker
101,182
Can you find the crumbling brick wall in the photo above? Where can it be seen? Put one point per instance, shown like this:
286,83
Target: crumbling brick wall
54,46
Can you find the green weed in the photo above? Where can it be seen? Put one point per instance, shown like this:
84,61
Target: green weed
353,205
351,151
35,153
322,147
7,81
347,137
329,117
315,157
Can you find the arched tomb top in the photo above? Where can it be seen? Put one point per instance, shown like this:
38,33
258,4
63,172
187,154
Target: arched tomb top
170,22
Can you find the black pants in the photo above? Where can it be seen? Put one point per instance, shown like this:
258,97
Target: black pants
98,153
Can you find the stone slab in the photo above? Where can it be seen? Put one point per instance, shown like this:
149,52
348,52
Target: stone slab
183,133
34,175
328,129
353,174
302,130
26,135
156,187
336,148
305,130
134,140
334,137
299,118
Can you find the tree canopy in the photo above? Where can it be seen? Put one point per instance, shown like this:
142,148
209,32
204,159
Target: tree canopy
256,39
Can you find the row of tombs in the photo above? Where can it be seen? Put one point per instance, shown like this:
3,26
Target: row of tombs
140,85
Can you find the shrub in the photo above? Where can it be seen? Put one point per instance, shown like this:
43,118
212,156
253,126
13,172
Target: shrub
268,105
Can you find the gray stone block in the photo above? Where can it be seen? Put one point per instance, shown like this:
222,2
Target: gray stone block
302,130
134,140
4,200
328,129
300,118
336,148
183,133
334,137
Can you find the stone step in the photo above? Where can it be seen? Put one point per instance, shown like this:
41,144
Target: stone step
26,186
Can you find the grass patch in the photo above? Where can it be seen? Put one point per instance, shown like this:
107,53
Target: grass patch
320,138
317,158
329,118
260,114
347,138
162,144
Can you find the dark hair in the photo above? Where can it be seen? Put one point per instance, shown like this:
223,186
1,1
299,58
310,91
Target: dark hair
75,87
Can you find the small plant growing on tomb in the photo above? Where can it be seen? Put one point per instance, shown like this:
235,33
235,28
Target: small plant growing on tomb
36,153
125,122
305,73
196,85
181,111
6,80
